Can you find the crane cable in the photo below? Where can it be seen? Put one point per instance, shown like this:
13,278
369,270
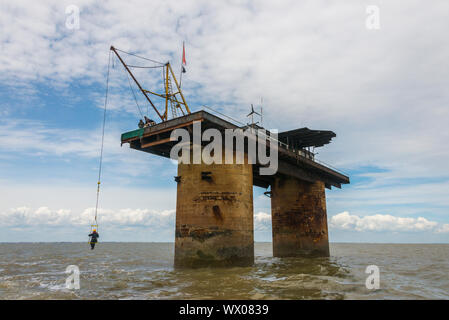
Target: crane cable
134,95
135,55
144,67
102,138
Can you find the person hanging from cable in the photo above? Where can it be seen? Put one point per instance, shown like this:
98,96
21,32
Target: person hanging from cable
93,238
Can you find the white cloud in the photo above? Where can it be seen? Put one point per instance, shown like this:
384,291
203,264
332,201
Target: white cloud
262,221
36,140
443,229
25,216
380,222
44,216
134,217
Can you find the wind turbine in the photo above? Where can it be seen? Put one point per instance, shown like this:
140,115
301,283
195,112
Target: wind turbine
252,115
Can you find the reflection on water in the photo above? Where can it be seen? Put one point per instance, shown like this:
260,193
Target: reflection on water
145,271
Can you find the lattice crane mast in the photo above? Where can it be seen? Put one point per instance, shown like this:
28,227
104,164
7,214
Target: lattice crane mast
174,99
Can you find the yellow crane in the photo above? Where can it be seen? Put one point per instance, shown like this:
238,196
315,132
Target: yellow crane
174,99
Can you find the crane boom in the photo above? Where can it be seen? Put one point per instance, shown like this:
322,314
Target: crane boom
137,82
169,96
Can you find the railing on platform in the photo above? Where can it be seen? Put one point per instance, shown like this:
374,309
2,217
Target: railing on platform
301,152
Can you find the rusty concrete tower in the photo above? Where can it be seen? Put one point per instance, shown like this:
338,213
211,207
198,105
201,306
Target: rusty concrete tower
214,209
214,206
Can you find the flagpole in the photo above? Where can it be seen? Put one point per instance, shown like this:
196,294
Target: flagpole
182,61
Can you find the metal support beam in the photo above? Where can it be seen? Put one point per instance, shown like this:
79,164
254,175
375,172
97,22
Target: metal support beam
137,82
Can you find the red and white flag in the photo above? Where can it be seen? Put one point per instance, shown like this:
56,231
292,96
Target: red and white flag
184,63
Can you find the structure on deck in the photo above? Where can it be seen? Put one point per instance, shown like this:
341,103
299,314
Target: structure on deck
214,209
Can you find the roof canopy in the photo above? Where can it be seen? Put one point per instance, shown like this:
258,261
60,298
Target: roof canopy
304,137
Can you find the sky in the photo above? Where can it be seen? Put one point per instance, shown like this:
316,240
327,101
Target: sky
322,64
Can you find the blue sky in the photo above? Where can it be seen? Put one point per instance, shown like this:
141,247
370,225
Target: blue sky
314,63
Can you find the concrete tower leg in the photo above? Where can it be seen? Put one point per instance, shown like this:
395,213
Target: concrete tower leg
214,215
299,220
